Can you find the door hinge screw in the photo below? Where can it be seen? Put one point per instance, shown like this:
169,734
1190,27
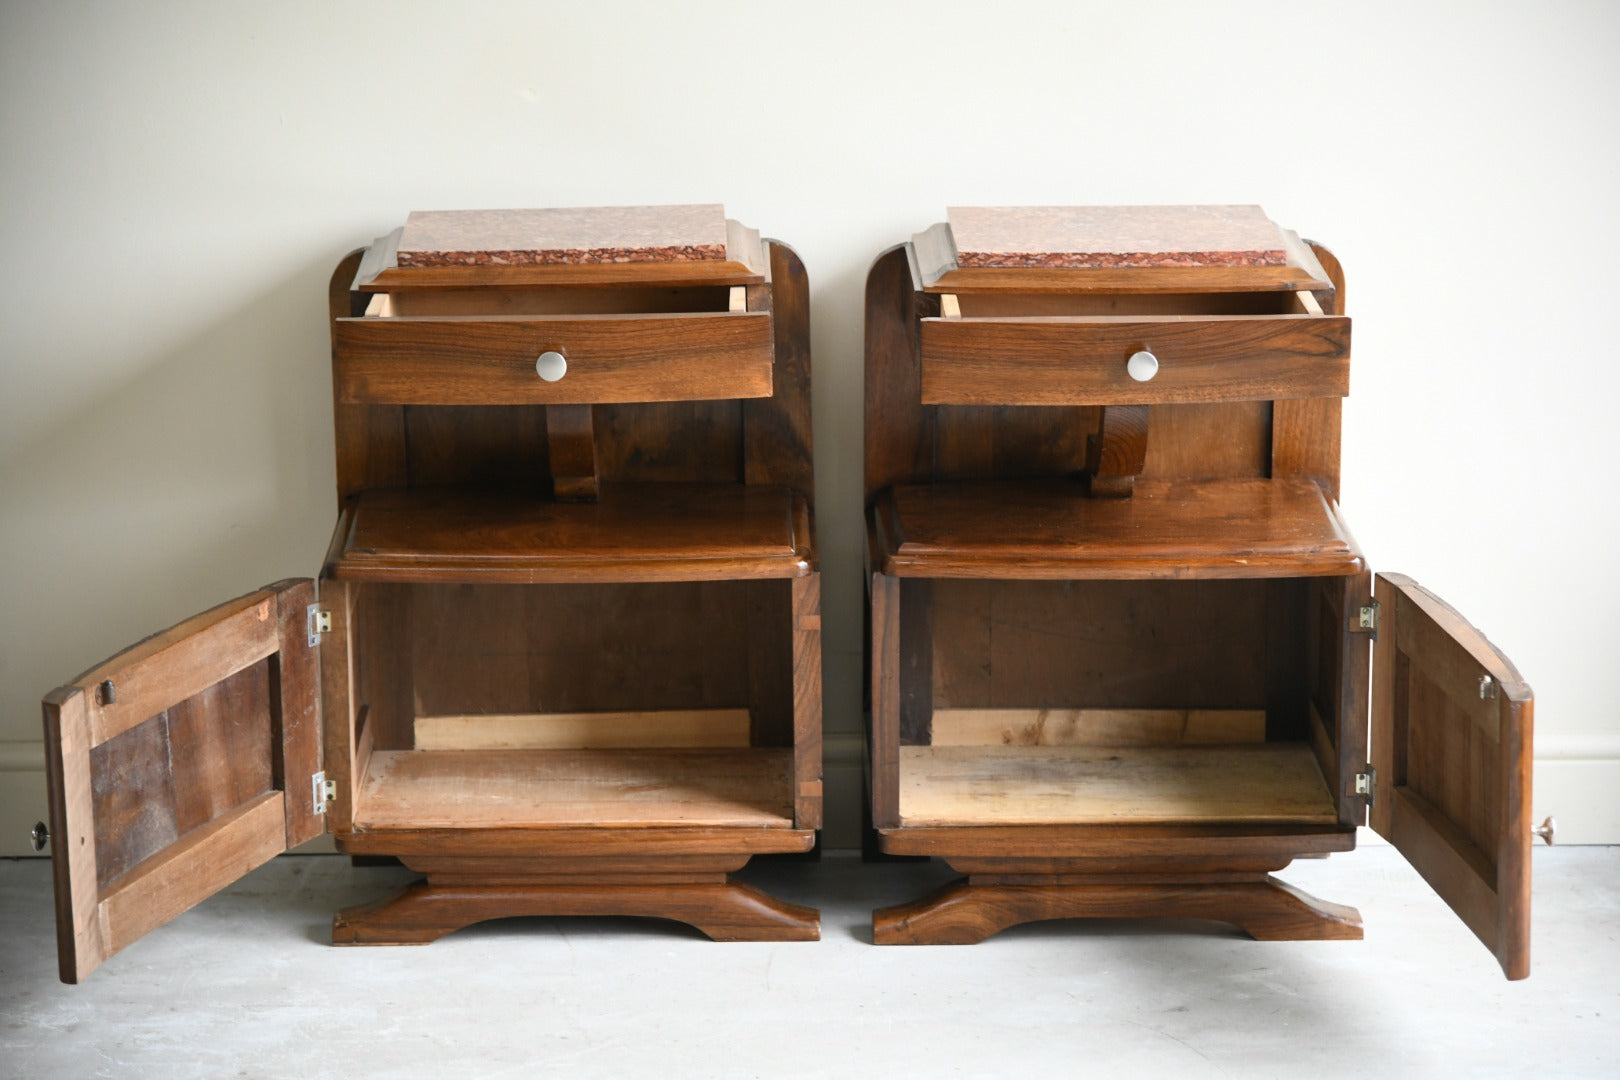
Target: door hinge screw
1367,783
320,622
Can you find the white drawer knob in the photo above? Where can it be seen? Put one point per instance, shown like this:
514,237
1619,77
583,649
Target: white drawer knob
551,366
1142,366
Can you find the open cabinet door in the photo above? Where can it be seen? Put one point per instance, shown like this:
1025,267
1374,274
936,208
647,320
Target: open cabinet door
1451,753
178,766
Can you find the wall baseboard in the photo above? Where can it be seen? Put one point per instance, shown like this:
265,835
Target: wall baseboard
1575,780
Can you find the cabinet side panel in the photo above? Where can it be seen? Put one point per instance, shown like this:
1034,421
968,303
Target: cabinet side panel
769,656
777,436
385,620
899,431
807,701
1287,668
885,737
369,440
1306,431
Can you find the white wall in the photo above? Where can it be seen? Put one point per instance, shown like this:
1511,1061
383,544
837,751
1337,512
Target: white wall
177,181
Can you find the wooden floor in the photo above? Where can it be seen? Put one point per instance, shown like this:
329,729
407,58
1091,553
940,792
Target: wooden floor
428,789
1031,785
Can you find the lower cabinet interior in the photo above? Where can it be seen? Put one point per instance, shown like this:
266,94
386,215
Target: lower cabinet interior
612,705
1093,702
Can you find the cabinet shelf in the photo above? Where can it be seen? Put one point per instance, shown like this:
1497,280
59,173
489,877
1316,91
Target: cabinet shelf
641,532
534,789
1076,785
1050,529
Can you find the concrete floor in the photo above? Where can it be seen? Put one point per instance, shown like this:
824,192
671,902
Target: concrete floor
245,986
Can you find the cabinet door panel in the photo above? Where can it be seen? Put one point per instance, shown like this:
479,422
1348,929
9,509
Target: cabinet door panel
178,766
1451,746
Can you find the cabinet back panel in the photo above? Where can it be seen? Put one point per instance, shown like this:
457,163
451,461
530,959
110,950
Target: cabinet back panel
659,442
981,442
506,446
496,445
179,770
454,650
1121,645
1220,441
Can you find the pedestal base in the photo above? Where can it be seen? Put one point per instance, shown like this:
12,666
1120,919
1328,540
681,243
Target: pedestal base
460,892
969,910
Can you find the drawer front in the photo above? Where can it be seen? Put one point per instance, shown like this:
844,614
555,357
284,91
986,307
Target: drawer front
1082,361
611,358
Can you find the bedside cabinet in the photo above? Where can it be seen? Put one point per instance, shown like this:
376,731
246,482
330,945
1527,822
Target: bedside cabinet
564,655
1123,645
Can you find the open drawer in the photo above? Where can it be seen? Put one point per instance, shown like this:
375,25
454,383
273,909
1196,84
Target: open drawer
996,348
556,345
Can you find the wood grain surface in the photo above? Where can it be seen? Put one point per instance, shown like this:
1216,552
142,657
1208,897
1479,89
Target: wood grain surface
478,789
488,360
666,728
1033,529
1057,360
171,766
722,911
1452,729
1036,785
654,532
966,912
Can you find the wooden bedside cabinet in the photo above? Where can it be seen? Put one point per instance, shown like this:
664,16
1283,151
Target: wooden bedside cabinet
565,655
1123,644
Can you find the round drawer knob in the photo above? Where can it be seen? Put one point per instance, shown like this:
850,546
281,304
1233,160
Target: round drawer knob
551,366
40,836
1142,366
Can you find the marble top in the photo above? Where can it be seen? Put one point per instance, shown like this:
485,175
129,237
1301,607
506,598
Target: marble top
585,234
1114,236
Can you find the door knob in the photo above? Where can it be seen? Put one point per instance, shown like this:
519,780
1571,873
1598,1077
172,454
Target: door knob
551,366
1142,365
1546,829
40,835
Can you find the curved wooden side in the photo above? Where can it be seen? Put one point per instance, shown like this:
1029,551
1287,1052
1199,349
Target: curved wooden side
965,913
426,911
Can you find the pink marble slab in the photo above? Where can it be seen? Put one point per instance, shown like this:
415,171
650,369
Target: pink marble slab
1067,237
577,235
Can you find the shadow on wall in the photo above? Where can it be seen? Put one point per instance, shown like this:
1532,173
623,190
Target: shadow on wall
202,478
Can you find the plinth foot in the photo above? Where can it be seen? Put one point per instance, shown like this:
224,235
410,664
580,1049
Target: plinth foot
724,911
964,913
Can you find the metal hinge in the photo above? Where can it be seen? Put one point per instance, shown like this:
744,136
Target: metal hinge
1367,783
320,622
323,790
1367,618
1487,688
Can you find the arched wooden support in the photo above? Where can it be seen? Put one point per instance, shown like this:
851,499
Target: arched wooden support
965,913
1116,452
724,910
